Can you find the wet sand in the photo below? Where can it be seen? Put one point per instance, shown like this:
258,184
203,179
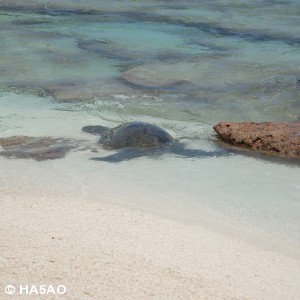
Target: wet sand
105,251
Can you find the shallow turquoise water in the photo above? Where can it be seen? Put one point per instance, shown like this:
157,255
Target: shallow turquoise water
180,65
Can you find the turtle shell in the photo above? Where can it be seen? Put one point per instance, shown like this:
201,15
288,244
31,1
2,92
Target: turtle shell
139,135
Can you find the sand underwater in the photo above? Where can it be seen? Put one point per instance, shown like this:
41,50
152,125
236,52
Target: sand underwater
183,66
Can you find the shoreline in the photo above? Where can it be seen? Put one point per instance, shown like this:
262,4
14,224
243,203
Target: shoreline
153,189
107,251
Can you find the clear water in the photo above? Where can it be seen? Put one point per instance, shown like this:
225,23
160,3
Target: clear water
180,65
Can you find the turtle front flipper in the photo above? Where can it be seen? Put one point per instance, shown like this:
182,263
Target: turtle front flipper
105,133
95,130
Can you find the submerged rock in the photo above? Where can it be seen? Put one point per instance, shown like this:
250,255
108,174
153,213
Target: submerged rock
41,148
13,141
119,52
84,90
280,139
72,91
150,77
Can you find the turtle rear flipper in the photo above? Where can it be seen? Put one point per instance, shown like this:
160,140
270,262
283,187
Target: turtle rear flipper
130,154
121,156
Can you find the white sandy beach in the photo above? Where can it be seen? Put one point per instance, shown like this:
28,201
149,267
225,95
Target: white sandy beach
105,251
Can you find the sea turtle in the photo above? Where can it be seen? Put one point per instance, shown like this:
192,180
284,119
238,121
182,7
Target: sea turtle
136,139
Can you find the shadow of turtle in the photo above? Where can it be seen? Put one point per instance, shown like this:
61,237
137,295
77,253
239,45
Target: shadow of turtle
177,150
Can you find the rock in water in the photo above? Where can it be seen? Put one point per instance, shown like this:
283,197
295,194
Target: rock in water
280,139
149,77
42,148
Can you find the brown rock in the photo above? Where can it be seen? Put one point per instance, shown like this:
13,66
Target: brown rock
42,148
12,141
280,139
